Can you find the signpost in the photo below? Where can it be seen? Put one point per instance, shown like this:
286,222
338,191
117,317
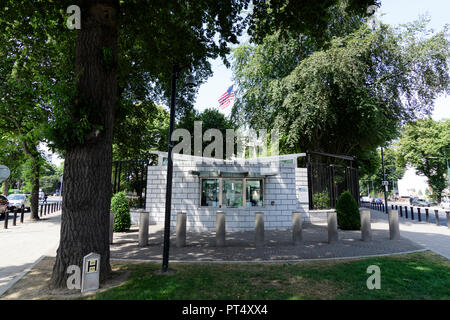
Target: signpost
4,173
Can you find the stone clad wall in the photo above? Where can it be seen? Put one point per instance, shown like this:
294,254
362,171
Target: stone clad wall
280,188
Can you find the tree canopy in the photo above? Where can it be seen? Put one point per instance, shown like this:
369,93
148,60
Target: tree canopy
425,145
347,98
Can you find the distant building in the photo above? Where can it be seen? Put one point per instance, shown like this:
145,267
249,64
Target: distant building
413,185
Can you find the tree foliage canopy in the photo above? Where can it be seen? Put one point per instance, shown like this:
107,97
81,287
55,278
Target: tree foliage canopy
347,98
425,145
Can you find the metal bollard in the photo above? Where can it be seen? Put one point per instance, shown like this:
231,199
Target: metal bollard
366,230
396,207
394,229
259,229
15,217
401,211
406,212
333,235
143,227
6,219
22,213
392,206
427,215
45,209
436,215
220,229
419,215
181,230
297,227
41,210
412,213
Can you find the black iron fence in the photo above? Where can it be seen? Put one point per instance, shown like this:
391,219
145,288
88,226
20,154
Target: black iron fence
327,181
130,176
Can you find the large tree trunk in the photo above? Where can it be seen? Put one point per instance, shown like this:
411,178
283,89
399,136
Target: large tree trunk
34,205
87,167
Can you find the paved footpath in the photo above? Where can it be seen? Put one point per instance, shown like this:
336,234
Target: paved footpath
429,235
23,244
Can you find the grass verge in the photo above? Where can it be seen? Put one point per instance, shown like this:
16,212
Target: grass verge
422,275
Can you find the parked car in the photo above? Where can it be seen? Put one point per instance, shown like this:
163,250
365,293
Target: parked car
420,202
18,201
377,200
366,199
4,203
445,204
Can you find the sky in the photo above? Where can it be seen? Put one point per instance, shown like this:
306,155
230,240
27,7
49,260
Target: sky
392,12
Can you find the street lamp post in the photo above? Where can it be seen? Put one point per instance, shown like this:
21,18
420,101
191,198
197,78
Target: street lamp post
384,179
190,83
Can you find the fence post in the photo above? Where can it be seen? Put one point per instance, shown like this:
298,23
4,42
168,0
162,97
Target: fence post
220,229
259,229
366,230
22,214
181,229
418,214
436,215
297,227
332,226
394,229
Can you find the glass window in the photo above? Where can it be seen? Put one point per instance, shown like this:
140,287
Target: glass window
254,193
210,192
232,192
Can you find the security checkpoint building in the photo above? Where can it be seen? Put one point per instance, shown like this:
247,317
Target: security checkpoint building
202,186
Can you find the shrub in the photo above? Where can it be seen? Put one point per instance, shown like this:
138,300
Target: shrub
348,217
321,200
121,209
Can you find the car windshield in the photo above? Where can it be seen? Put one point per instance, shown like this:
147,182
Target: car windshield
16,197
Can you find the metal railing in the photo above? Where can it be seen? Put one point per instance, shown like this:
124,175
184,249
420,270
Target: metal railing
44,209
411,212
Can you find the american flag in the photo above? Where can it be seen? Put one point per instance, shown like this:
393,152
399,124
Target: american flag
226,98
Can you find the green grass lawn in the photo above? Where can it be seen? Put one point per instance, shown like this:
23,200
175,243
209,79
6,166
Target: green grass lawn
422,275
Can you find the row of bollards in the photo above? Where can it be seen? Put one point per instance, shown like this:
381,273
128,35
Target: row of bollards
297,228
46,209
404,212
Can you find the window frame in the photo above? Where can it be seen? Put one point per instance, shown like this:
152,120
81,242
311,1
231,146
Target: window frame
244,192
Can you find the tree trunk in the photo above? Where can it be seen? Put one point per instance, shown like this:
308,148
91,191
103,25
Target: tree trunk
34,205
6,187
87,167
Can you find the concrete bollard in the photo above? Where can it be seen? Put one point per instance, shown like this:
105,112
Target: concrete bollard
366,230
220,229
111,226
436,215
297,227
181,229
259,229
394,229
333,235
143,228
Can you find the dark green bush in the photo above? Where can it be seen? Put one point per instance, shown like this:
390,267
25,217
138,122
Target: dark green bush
348,217
121,209
321,200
